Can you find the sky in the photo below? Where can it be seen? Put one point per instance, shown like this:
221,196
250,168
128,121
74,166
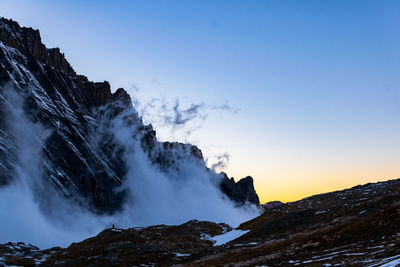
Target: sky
313,86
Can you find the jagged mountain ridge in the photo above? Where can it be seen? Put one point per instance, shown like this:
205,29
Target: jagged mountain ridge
84,168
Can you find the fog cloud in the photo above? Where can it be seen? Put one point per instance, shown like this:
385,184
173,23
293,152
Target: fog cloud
33,211
177,117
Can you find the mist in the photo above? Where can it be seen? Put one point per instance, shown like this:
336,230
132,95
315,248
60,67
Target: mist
189,192
177,119
23,203
33,211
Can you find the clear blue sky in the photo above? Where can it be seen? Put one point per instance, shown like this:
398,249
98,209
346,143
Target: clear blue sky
316,82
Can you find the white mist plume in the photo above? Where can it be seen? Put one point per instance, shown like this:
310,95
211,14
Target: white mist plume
175,117
221,162
34,212
172,197
30,208
22,218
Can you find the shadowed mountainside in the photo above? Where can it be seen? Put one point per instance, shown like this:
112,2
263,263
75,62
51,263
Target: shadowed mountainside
80,158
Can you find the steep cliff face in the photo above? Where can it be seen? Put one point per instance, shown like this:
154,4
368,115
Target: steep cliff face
28,42
80,157
241,192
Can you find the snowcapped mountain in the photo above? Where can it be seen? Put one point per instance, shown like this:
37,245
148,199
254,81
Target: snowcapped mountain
79,137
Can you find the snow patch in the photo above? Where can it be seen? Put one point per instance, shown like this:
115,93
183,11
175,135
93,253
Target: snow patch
182,255
320,212
227,237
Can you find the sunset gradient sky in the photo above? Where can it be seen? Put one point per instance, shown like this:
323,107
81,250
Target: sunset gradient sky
315,83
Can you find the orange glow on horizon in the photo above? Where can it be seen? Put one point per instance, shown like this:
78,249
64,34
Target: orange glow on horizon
297,192
289,185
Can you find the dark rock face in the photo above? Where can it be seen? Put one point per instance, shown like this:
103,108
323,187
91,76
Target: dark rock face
98,93
81,160
241,192
28,42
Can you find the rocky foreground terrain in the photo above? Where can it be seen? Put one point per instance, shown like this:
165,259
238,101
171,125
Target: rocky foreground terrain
354,227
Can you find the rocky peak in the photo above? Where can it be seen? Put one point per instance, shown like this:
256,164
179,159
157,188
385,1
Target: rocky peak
28,42
241,191
98,93
122,95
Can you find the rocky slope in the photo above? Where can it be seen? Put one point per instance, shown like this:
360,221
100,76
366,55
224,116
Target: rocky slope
80,157
354,227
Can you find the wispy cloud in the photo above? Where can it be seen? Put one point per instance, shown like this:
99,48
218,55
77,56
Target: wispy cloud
176,116
221,163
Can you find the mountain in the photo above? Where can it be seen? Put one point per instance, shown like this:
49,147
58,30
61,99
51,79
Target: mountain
67,142
71,120
359,226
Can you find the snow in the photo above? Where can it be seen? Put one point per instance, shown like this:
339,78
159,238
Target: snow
392,263
68,112
389,262
242,245
324,259
224,229
227,237
42,259
320,212
182,255
206,237
380,246
355,254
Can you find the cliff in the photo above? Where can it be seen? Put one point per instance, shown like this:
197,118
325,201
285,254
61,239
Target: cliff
80,157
